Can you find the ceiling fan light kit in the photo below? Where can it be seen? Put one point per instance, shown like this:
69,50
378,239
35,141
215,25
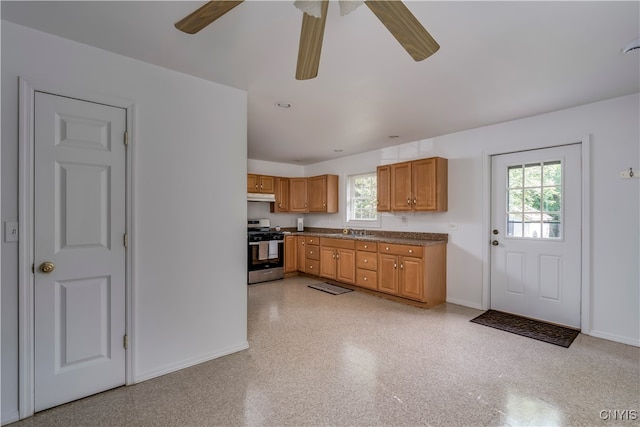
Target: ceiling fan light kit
393,14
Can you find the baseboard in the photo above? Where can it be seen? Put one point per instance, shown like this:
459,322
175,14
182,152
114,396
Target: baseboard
12,418
615,338
188,363
465,303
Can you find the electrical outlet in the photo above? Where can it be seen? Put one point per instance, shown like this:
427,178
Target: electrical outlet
10,231
405,221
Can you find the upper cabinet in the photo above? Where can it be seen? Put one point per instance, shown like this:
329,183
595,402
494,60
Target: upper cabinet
260,184
298,201
282,195
384,188
419,185
323,193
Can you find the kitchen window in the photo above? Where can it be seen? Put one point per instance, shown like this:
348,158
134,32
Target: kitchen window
362,200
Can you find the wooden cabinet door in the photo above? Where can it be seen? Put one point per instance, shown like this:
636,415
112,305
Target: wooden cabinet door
253,183
267,184
298,195
388,273
424,185
384,188
290,254
328,262
401,197
346,266
302,254
282,195
317,193
411,278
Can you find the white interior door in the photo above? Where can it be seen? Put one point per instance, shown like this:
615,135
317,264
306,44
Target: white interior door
536,234
79,223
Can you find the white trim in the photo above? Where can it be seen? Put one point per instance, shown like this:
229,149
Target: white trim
587,307
174,367
26,313
465,303
586,288
612,337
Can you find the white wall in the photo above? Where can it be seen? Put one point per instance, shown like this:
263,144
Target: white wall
614,126
189,206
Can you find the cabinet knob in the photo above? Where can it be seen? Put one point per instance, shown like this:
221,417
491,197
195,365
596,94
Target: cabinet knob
310,252
365,279
401,266
415,202
366,260
365,246
410,251
311,267
387,248
395,265
409,202
338,256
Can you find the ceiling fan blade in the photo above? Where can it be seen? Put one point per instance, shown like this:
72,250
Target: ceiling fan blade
205,15
405,28
310,47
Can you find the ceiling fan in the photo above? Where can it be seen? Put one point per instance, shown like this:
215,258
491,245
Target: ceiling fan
402,24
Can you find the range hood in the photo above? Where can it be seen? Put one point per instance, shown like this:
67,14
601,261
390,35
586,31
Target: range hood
261,197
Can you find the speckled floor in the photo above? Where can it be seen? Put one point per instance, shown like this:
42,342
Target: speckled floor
317,360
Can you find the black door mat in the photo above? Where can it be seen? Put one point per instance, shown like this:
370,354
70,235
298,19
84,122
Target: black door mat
541,331
330,289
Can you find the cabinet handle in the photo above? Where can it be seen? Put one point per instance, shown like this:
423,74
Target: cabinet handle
311,267
302,243
401,266
387,248
410,251
324,204
310,252
333,256
414,201
395,265
365,279
365,246
366,261
338,256
409,202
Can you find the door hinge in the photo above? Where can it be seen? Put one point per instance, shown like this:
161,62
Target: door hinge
125,240
126,138
33,268
125,341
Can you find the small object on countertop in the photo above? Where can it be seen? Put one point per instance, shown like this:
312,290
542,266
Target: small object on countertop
277,228
345,231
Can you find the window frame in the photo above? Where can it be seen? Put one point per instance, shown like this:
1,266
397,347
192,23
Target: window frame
349,188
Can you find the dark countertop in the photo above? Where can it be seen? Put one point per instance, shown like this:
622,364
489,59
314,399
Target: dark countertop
403,238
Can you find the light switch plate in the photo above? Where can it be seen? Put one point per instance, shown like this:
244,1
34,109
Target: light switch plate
10,231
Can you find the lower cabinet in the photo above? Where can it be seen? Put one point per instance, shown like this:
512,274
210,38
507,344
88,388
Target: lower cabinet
338,260
290,254
407,272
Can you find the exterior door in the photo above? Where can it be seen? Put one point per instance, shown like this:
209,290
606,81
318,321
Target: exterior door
79,223
536,234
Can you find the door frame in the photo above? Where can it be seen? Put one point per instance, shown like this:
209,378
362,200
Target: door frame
26,312
585,210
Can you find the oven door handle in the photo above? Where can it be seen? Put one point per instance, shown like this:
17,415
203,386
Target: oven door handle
254,243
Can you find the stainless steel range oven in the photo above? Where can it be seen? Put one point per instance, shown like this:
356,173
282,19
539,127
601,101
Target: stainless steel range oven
266,252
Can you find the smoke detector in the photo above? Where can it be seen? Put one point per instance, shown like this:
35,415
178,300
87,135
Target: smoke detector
633,45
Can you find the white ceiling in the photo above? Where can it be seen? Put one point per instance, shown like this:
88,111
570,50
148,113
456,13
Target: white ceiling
498,61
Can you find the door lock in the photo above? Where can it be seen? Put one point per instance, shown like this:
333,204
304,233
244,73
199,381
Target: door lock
495,243
47,267
495,231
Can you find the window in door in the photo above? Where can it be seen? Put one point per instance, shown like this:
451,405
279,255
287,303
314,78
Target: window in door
534,205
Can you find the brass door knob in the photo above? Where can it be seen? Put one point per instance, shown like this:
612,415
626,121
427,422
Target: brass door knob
47,267
495,243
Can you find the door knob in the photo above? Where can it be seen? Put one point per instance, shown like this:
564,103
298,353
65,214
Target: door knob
495,231
47,267
495,243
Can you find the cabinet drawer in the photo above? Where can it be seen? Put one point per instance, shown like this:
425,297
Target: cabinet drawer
367,260
337,243
312,267
402,250
312,240
367,278
367,246
312,252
